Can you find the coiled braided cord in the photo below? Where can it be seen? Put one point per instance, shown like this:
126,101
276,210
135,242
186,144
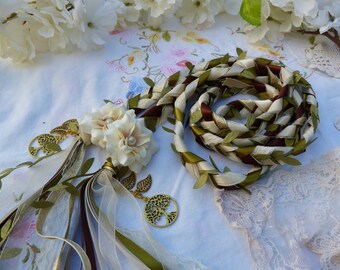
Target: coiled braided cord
279,124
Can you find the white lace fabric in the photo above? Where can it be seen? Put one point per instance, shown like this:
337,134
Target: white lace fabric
292,219
325,58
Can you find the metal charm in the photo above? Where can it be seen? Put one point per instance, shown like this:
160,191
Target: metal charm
48,143
156,207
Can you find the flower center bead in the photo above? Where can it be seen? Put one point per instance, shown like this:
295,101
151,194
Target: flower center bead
131,141
108,121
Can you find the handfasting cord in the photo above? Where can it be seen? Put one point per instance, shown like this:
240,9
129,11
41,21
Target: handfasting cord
268,131
279,125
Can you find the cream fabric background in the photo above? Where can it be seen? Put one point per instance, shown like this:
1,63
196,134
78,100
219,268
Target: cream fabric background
35,97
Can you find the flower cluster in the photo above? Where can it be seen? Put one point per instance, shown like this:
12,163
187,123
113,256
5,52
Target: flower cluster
125,137
284,16
27,27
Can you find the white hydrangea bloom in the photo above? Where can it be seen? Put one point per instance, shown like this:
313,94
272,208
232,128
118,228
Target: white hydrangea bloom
93,21
126,12
94,125
328,16
155,8
130,143
16,42
198,13
232,6
48,19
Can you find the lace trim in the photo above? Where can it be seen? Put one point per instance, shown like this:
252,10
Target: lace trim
291,219
325,58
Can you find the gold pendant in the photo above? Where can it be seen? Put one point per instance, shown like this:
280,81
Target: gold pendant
49,143
156,210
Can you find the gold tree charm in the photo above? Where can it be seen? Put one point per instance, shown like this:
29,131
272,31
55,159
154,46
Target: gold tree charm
156,208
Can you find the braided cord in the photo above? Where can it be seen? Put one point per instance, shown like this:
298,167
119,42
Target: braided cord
279,124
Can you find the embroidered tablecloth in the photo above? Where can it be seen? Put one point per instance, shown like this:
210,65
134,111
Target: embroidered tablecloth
35,97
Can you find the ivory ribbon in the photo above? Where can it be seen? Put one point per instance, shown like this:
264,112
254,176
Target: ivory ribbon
102,221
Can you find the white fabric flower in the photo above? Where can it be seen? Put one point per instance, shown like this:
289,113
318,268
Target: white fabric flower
94,125
93,21
130,143
198,13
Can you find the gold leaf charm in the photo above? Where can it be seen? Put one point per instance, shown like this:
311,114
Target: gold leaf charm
145,184
43,141
157,206
160,210
47,143
130,181
69,127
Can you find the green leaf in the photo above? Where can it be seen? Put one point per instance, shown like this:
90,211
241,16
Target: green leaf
179,115
174,78
203,77
166,36
7,171
9,253
278,154
133,102
107,101
263,61
195,117
291,161
42,204
249,73
173,147
251,11
34,248
150,123
231,136
252,177
171,120
242,56
5,229
301,145
189,65
201,181
225,59
27,256
239,51
250,120
86,166
72,190
54,147
262,156
57,188
28,163
226,169
213,163
272,127
289,142
311,40
190,157
236,113
197,131
168,130
149,82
